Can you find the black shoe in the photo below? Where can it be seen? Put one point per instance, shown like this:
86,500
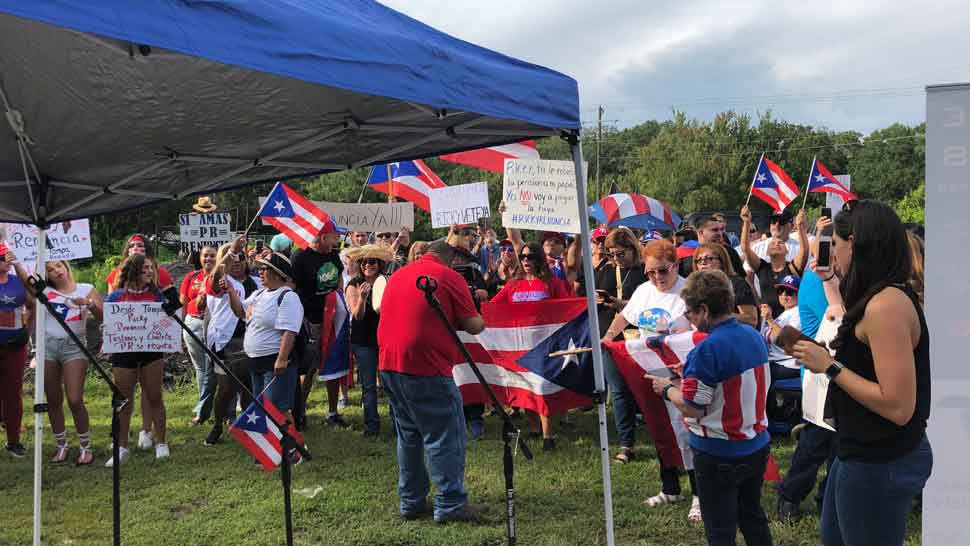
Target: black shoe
337,420
548,444
17,450
470,513
788,511
213,438
425,512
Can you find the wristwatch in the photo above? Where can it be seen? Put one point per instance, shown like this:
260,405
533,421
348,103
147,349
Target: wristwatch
834,369
664,392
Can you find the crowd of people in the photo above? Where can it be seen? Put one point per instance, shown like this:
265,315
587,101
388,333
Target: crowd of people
263,312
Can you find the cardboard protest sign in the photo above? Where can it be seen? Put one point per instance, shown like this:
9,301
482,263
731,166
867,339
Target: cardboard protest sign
463,204
540,194
65,241
208,229
132,327
367,216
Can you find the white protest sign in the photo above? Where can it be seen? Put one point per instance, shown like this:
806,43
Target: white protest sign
463,204
540,194
133,327
835,201
65,241
208,229
367,216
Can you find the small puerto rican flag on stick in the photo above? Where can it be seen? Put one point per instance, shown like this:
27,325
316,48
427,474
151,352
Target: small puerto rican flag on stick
772,185
821,180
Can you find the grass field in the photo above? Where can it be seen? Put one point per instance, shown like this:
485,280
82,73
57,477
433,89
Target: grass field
347,495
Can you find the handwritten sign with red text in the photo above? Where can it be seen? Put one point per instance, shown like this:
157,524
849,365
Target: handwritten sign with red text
134,327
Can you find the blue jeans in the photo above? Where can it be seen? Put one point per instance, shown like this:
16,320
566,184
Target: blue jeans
429,422
624,404
868,503
730,493
204,369
816,446
281,392
367,375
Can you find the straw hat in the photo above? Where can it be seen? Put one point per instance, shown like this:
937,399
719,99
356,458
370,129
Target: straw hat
370,251
279,263
204,205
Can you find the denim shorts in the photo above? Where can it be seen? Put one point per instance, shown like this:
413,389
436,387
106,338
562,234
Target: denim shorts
62,349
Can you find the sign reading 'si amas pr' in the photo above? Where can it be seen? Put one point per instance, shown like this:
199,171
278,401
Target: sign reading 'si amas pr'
206,229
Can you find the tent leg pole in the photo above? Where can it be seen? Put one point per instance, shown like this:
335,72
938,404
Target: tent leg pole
40,399
577,154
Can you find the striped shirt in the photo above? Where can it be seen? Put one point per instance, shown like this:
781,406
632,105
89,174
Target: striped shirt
727,376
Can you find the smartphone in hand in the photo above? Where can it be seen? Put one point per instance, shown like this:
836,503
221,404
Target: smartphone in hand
789,336
607,297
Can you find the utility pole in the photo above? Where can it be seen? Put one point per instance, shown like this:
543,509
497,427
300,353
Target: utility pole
599,138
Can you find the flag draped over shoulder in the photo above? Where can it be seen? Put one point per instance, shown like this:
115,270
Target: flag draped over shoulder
536,382
260,436
663,420
334,337
293,215
409,180
493,159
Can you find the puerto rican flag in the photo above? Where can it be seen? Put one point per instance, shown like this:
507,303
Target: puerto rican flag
772,185
334,337
294,215
821,180
66,309
260,436
662,419
534,382
410,180
493,159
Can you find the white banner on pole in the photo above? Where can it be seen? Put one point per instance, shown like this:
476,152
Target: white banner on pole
65,241
367,216
132,327
540,194
463,204
208,229
947,495
835,201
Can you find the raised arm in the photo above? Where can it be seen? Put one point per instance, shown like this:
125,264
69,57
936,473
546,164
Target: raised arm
803,246
750,257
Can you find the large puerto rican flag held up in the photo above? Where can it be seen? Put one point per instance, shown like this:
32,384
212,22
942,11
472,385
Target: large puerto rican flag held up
772,185
412,181
261,438
547,386
634,211
493,159
821,180
294,215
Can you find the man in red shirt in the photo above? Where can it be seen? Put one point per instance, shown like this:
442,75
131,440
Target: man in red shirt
416,357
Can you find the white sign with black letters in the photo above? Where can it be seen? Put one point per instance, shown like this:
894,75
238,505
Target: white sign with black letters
210,229
135,326
463,204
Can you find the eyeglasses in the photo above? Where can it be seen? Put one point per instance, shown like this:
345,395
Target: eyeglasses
528,257
262,269
660,272
508,249
370,261
385,235
704,260
787,291
617,254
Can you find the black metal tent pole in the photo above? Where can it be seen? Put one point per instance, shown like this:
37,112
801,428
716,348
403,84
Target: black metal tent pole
287,442
118,402
510,434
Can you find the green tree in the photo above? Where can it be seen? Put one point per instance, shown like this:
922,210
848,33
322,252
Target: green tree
911,208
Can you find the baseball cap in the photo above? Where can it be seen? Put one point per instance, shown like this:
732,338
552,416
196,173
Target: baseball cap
783,217
789,281
687,249
546,235
280,243
599,233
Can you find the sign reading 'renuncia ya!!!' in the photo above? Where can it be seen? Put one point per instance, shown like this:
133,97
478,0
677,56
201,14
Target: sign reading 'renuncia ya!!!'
208,229
540,194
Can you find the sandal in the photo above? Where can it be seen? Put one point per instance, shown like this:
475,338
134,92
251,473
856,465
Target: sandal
624,456
663,498
695,510
84,457
60,453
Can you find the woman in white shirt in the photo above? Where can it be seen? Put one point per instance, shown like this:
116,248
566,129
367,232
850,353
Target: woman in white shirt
656,308
65,364
782,365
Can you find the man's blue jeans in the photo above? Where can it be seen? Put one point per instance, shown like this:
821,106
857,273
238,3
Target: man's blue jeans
624,404
204,370
868,503
429,422
367,375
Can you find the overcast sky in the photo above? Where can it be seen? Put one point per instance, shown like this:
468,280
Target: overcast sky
841,64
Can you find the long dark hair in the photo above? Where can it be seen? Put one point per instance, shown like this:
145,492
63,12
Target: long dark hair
131,271
880,257
539,263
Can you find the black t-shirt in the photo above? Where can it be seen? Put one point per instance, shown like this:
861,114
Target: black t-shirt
581,276
631,277
686,266
767,279
364,331
315,276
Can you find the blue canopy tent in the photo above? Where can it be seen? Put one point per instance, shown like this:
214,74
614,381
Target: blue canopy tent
117,104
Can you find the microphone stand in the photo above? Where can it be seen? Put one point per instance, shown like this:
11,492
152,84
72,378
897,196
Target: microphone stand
118,402
287,442
510,434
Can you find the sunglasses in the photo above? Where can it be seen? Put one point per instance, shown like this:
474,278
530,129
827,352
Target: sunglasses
599,241
508,249
466,232
779,220
661,272
528,257
370,261
704,260
787,291
385,235
617,254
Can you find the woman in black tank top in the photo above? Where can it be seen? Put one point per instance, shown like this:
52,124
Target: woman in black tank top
879,395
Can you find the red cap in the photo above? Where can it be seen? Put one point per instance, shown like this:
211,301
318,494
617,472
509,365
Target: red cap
136,238
599,233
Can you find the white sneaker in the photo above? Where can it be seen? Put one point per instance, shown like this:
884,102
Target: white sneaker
161,451
145,440
122,456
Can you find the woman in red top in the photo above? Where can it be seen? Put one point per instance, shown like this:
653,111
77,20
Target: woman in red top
533,281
